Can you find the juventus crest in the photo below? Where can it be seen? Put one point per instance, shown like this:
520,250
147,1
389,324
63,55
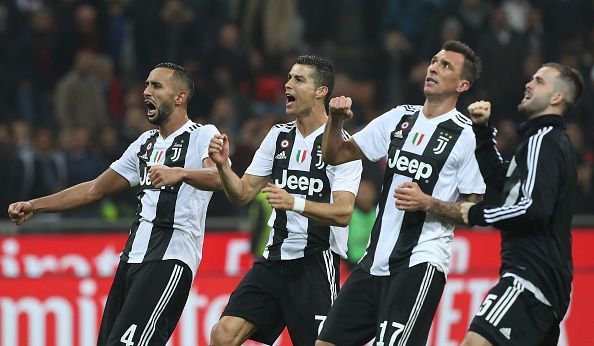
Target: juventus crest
442,142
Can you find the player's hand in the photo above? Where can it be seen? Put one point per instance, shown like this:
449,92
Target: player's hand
480,111
340,107
161,175
218,149
464,209
20,212
409,197
278,198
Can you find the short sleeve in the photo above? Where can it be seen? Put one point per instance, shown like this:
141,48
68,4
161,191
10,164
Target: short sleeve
127,164
374,139
206,134
264,157
347,176
469,176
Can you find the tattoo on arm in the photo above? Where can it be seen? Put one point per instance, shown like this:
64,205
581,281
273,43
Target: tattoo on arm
450,211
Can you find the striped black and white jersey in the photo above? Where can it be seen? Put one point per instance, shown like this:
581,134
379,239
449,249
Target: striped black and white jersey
170,220
295,164
437,154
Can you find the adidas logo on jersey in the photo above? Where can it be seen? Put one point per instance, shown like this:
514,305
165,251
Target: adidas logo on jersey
281,156
299,184
398,134
506,332
411,167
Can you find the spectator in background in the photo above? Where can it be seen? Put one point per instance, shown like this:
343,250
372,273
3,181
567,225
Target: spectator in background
51,172
501,46
110,86
35,57
10,174
361,221
79,100
79,29
82,164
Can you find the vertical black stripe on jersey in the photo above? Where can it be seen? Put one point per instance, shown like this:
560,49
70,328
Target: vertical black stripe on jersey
396,142
165,213
318,235
278,166
143,155
412,223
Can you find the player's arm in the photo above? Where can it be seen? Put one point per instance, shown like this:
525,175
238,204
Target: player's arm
335,149
206,178
108,183
539,188
409,197
337,213
490,162
238,191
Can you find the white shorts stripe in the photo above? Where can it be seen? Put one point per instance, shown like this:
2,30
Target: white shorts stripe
425,284
331,274
149,329
518,289
500,301
503,305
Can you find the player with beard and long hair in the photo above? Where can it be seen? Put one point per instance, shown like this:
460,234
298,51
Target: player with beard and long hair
176,179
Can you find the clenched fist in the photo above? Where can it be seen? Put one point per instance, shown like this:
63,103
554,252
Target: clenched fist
480,111
340,107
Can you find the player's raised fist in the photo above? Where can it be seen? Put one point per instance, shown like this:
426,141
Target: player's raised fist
218,149
480,111
341,107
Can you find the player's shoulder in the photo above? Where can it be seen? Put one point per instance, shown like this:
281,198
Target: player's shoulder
408,109
462,120
148,134
285,127
403,111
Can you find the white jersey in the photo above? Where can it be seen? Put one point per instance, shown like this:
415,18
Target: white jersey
170,220
436,153
295,164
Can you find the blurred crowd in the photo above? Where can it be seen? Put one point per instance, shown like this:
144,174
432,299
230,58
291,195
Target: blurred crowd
73,72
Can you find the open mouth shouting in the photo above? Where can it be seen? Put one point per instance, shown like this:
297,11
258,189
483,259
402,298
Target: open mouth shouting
151,107
290,99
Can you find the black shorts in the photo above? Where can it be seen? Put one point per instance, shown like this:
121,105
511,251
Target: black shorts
511,315
396,309
293,293
144,303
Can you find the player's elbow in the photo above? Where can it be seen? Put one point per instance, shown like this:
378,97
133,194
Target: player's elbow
344,217
331,158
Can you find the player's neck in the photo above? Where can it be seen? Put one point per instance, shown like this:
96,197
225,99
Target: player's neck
435,107
173,123
308,123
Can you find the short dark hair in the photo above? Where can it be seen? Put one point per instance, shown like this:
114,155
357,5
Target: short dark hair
323,73
572,78
472,63
181,75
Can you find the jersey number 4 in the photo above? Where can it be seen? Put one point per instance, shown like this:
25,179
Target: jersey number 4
126,339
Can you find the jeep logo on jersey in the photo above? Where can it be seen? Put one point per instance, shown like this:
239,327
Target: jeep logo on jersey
144,178
409,166
299,184
146,182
